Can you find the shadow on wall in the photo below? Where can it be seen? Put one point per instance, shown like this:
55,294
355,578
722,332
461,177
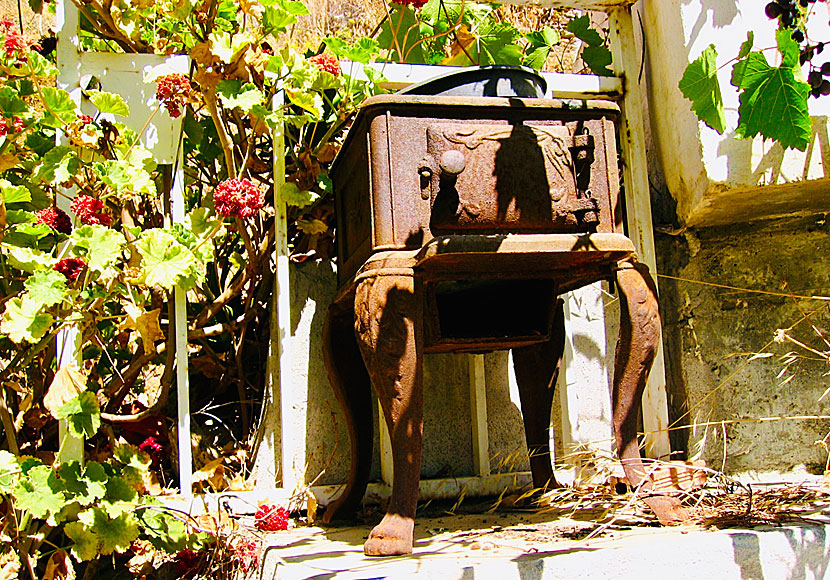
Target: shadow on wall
723,12
744,170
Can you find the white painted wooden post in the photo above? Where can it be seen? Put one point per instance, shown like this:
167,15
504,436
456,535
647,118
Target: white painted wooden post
627,63
293,398
478,412
69,339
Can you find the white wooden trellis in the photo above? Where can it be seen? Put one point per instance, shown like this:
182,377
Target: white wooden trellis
623,87
125,74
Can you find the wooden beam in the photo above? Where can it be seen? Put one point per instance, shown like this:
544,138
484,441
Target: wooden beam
627,62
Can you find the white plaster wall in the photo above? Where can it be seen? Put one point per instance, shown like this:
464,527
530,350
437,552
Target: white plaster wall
715,178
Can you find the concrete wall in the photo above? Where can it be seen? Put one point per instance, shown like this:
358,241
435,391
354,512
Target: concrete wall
710,333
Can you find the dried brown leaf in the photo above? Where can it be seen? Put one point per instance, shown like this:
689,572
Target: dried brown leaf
59,567
68,383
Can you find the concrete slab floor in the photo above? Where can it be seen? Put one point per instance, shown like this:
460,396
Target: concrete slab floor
537,546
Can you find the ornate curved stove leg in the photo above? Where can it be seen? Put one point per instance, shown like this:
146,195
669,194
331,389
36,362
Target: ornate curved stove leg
636,348
537,368
353,390
388,325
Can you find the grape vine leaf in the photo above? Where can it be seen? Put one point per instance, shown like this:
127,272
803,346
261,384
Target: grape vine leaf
700,85
9,471
47,287
40,493
23,321
398,35
581,28
234,94
773,102
598,58
98,245
497,44
82,415
109,102
540,43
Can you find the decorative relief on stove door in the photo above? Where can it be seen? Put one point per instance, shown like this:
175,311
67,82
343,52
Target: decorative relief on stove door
500,178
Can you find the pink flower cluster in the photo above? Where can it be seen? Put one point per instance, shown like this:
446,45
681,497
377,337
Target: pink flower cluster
90,211
70,267
270,518
56,219
327,62
173,91
237,198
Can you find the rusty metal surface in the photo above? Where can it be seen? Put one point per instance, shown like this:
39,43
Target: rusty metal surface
414,167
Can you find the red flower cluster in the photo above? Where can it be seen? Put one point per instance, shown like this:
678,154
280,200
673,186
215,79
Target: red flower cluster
152,447
70,267
414,3
56,219
173,91
14,43
17,125
84,120
247,554
187,562
90,211
237,198
327,62
270,518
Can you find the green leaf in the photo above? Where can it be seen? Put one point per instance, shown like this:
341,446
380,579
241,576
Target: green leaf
98,245
278,16
9,471
109,102
773,103
789,48
14,193
497,44
85,485
11,104
135,464
581,28
700,85
361,51
59,106
27,259
85,540
311,102
598,58
400,31
746,47
40,493
539,46
165,262
46,287
292,195
19,216
234,94
163,530
58,165
82,415
114,534
226,45
23,321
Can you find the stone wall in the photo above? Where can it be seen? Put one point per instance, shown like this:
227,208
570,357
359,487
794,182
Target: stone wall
710,331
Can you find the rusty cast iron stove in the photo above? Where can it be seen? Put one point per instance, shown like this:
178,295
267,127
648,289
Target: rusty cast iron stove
460,220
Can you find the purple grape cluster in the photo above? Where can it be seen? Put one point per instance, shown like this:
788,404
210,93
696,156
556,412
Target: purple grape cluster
789,14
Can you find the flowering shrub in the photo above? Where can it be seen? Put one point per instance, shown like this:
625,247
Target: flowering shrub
237,198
